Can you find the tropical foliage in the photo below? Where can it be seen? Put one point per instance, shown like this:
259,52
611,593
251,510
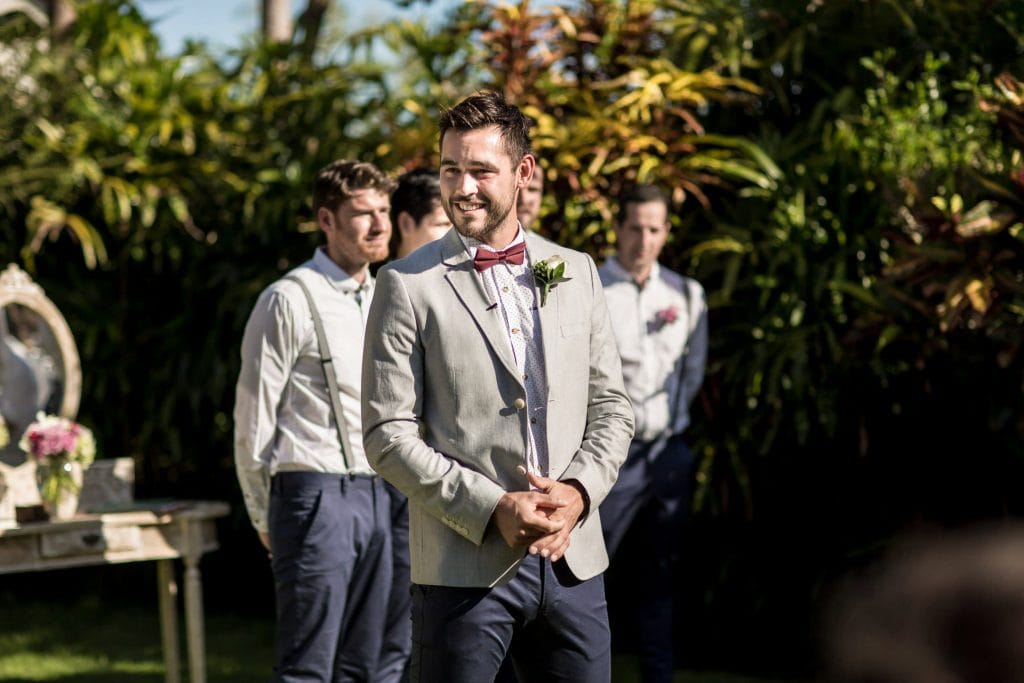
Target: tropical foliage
847,182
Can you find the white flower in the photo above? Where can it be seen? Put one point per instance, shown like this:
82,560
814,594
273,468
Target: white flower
548,273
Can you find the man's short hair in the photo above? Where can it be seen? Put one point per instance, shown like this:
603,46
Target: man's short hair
418,193
339,180
489,108
641,194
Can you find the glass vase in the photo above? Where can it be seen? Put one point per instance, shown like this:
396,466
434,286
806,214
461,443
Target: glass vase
60,483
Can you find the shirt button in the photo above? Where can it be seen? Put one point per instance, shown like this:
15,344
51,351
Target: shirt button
525,376
515,330
519,404
533,420
504,289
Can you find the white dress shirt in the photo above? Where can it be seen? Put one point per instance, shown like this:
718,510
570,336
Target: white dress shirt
662,333
283,416
512,288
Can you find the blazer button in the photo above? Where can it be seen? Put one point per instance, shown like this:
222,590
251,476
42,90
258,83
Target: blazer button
519,404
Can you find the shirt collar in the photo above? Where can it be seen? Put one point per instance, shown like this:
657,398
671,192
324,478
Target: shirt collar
337,276
619,273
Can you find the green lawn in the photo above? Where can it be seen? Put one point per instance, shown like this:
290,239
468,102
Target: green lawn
89,642
102,643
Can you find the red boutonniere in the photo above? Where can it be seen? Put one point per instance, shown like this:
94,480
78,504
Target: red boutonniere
666,316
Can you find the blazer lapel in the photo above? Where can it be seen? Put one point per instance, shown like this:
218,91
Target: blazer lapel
540,249
470,290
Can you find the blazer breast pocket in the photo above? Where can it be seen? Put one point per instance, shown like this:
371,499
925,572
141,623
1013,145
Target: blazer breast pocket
574,329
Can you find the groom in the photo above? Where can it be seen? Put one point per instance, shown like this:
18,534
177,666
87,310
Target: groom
500,413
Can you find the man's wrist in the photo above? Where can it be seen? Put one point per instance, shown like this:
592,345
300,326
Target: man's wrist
584,496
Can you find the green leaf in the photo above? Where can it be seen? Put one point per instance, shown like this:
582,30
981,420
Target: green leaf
855,290
886,336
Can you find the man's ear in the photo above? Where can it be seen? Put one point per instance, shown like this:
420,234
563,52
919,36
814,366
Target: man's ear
406,225
325,219
527,167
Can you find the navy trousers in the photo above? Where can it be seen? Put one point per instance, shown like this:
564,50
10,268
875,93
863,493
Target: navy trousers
649,502
555,625
331,545
394,658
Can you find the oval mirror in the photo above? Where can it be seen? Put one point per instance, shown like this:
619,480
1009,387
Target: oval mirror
39,365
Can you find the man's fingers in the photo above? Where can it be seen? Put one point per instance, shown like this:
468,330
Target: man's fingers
524,517
531,537
552,546
539,482
543,525
539,500
565,508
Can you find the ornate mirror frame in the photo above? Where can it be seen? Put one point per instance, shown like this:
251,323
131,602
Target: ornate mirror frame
16,287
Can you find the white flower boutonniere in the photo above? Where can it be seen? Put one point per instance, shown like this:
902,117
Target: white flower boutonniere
548,273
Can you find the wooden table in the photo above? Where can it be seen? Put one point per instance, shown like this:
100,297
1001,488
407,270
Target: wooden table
184,529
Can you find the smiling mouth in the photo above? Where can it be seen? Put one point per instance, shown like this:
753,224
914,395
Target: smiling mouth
466,207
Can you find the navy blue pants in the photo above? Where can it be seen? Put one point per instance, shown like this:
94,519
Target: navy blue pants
331,545
555,625
649,502
394,658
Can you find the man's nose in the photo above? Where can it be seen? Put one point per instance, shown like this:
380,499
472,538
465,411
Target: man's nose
467,184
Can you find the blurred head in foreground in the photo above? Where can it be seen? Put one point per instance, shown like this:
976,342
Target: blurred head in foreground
949,609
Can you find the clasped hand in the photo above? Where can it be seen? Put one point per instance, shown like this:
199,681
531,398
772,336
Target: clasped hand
541,519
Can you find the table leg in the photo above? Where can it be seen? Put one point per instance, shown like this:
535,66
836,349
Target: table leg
194,606
168,591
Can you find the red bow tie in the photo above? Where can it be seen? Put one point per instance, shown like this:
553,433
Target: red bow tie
486,258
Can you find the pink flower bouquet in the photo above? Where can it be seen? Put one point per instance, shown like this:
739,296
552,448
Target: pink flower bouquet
58,445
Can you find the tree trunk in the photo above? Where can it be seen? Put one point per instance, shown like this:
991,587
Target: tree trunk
311,21
277,21
62,17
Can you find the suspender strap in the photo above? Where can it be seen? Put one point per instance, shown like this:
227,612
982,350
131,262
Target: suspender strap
327,364
677,395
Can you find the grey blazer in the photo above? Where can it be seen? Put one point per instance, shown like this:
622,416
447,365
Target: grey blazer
441,415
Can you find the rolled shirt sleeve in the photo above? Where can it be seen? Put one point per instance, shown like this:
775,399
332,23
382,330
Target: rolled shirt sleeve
269,350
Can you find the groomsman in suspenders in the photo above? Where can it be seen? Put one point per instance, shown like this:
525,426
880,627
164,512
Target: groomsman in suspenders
315,502
660,323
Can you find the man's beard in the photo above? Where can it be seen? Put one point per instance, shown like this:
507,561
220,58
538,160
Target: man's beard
376,254
496,215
